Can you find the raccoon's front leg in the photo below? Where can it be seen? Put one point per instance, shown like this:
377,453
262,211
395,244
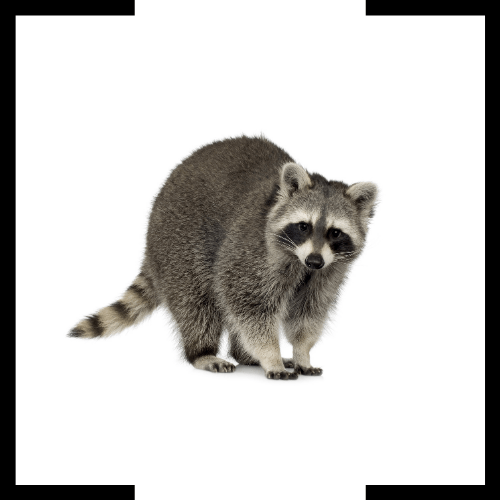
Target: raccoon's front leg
303,334
237,352
259,344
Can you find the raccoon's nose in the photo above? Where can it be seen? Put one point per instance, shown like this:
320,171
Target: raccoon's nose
315,261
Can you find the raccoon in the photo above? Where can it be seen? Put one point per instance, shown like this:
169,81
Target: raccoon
243,239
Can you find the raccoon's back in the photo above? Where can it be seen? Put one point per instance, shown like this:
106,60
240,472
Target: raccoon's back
220,175
197,204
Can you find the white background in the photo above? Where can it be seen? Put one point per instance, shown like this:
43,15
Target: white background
107,106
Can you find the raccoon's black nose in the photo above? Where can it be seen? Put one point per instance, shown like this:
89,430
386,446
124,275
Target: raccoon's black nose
315,261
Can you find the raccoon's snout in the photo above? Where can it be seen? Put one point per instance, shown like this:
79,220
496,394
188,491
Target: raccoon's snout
315,261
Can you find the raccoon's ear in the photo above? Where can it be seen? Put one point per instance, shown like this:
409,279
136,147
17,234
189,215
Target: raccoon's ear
364,196
293,178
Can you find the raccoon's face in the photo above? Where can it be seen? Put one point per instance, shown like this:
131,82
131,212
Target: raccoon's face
320,221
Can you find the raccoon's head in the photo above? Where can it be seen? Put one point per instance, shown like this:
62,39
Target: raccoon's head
319,221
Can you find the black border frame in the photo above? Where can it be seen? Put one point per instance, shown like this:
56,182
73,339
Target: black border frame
425,8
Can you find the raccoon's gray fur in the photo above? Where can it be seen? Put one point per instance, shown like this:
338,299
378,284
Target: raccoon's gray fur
242,238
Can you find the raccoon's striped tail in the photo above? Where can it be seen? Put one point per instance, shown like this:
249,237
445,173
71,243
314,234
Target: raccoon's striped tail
137,303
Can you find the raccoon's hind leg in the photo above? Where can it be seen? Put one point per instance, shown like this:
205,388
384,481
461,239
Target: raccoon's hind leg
200,326
237,352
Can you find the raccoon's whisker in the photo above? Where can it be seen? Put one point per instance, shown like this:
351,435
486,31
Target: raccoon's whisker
345,255
280,237
343,258
288,247
289,239
283,243
284,240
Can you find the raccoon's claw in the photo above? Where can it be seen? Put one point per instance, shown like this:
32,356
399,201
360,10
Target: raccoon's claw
281,375
213,364
221,367
308,371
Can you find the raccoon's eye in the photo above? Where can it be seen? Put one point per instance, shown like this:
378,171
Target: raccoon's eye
335,233
303,226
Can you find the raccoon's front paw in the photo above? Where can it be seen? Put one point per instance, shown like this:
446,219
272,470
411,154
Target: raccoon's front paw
281,375
308,371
